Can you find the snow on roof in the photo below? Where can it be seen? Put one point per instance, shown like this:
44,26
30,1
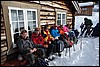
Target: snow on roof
96,6
86,4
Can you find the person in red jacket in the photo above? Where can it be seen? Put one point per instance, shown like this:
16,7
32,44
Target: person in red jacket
37,37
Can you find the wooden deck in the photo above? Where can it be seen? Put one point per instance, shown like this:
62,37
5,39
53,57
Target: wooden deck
15,62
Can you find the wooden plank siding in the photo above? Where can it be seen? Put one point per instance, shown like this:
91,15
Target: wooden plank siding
5,5
46,13
86,10
4,46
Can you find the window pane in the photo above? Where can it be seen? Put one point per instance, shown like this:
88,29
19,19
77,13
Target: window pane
33,15
16,37
59,16
14,15
63,16
59,22
21,25
29,15
63,22
34,24
15,27
20,15
31,25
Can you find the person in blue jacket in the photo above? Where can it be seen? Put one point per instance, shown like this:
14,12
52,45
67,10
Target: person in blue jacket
55,32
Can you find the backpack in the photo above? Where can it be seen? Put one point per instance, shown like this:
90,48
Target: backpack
41,62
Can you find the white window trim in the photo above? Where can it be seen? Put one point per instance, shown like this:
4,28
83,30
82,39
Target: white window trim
25,20
61,17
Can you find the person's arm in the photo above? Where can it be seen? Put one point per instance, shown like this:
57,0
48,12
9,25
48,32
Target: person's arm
40,39
34,40
20,46
53,33
58,33
64,29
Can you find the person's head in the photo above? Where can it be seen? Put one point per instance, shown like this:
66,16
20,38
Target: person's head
42,27
37,30
24,34
55,27
61,26
85,19
46,29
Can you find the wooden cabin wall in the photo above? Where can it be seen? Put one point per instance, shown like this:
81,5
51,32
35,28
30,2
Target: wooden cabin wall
87,10
47,12
4,45
5,5
49,9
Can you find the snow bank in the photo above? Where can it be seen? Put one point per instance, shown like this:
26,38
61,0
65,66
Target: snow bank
86,4
88,56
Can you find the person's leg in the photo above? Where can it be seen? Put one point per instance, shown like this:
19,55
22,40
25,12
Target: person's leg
40,53
31,59
54,46
83,31
88,30
65,41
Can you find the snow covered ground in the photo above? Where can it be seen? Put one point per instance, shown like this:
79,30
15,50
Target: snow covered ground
87,56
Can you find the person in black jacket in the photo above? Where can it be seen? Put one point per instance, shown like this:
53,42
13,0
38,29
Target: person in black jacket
96,31
88,23
26,47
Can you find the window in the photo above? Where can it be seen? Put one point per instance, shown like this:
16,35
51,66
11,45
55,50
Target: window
22,19
61,18
84,8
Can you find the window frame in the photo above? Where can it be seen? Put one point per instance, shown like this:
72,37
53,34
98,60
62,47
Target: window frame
25,20
61,17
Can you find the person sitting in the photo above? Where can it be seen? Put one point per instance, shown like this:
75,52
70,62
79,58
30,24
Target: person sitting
63,36
26,47
66,29
38,39
48,41
57,43
55,32
61,30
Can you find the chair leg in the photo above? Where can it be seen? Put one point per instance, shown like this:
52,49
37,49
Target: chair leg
73,47
66,52
69,51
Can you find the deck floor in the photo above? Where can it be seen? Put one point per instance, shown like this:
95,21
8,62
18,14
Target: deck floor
15,62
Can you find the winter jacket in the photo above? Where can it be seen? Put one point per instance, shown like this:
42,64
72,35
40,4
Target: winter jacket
37,39
25,45
55,33
65,29
48,36
61,31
